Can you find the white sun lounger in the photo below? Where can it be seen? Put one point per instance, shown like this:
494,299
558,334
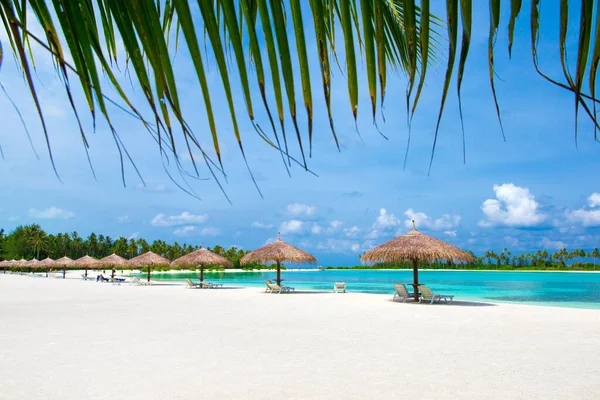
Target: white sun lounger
274,288
402,292
428,296
339,287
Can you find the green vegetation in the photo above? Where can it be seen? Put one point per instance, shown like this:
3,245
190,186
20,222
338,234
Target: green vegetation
562,260
31,241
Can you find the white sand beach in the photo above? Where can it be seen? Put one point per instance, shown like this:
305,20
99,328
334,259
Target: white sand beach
71,339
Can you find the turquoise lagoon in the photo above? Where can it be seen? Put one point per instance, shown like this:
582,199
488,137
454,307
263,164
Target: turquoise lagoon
566,289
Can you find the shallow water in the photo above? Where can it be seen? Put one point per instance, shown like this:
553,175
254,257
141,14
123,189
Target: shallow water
566,289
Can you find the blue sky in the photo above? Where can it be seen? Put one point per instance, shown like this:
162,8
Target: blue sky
536,190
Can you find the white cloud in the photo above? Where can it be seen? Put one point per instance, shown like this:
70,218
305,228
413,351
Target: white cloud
123,219
304,210
383,224
450,233
134,235
210,231
292,226
316,229
552,244
340,246
51,213
587,217
184,230
335,225
423,220
513,206
185,218
262,225
594,200
352,232
385,220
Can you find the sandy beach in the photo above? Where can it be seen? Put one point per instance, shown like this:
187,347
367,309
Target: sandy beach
71,339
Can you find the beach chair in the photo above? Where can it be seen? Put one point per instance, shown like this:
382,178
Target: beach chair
192,285
429,296
135,281
210,285
274,288
401,292
87,278
339,287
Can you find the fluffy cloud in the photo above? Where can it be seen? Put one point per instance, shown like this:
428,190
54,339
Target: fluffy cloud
385,220
292,226
587,217
184,230
262,225
185,218
335,225
303,210
51,213
352,232
552,244
123,219
210,231
340,246
513,206
450,233
423,220
316,229
594,200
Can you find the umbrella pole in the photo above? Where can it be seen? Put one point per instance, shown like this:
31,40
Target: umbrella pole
64,271
416,279
278,273
201,272
86,272
148,273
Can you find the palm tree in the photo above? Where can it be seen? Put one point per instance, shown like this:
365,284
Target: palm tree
394,35
595,255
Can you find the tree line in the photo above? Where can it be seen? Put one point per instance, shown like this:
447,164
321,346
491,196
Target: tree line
31,241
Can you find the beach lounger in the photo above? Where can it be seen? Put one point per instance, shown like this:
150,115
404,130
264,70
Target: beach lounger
428,295
210,285
87,278
135,281
339,287
401,292
273,288
192,285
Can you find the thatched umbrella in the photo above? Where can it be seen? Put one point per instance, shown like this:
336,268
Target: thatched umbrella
64,262
31,264
148,259
201,257
48,263
278,251
87,262
113,261
416,247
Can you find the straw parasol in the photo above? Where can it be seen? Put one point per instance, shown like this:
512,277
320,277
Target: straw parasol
201,257
278,251
416,247
48,263
64,262
148,259
113,261
87,262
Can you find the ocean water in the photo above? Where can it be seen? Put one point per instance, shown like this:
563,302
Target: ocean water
566,289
